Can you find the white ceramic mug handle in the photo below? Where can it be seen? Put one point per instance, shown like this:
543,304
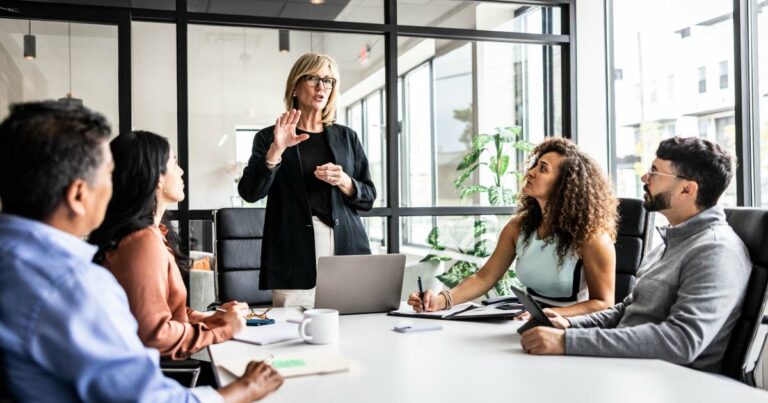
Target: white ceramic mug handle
302,327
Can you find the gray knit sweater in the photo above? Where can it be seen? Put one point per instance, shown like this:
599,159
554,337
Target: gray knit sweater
684,305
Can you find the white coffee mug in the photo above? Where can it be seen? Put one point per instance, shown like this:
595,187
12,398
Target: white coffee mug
320,326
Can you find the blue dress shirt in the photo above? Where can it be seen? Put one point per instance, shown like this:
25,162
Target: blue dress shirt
66,331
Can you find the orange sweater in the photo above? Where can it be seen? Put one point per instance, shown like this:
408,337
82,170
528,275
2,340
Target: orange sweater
144,265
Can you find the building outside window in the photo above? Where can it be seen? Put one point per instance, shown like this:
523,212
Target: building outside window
648,47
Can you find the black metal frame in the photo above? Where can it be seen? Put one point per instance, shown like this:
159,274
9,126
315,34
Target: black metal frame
746,102
181,17
748,187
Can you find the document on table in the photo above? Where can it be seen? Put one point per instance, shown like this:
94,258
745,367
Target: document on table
466,311
268,334
298,363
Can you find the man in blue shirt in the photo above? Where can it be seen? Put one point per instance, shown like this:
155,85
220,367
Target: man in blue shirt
66,331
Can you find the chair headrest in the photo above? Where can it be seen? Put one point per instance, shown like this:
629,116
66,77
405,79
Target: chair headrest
632,217
751,225
238,223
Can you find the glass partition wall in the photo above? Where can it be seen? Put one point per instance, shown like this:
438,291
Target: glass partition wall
420,81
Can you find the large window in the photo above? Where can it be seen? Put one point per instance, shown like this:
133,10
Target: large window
233,94
688,45
457,69
484,15
454,91
72,61
153,72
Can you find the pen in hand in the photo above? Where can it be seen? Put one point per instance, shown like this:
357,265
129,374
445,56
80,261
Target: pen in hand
222,310
421,295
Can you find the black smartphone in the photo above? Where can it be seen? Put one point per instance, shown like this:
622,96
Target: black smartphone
538,317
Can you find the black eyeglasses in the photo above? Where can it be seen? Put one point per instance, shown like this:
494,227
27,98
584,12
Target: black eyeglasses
312,81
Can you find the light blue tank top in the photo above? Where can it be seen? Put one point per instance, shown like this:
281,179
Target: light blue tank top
538,270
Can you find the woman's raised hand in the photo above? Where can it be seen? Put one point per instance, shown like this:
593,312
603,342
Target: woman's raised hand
285,130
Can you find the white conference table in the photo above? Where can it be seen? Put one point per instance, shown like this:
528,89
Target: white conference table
476,362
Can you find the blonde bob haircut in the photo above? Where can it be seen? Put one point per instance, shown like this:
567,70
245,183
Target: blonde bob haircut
308,64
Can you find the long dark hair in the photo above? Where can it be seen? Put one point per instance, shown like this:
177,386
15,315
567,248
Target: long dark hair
582,205
140,159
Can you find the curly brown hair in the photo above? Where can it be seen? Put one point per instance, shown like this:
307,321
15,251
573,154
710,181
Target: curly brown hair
582,205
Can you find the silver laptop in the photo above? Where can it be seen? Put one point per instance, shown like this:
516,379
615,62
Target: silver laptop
359,283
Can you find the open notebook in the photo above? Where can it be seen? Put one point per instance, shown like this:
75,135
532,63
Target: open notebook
466,311
306,362
268,334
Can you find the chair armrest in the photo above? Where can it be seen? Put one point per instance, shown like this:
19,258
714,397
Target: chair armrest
182,370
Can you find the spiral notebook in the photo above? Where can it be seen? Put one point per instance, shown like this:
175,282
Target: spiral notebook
466,311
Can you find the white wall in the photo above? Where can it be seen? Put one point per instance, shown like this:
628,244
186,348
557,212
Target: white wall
591,80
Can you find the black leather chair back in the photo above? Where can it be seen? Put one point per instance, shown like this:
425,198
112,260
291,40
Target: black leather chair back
632,241
751,224
239,232
5,394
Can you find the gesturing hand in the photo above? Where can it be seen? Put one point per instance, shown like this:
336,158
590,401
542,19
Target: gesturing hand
332,174
285,130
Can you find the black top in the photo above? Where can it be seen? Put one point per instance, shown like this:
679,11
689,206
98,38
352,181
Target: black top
314,152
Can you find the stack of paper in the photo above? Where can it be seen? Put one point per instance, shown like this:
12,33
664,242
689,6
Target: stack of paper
307,362
268,334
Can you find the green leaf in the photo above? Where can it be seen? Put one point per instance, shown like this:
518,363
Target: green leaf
480,141
468,160
480,228
501,165
508,197
524,146
464,175
514,130
433,239
494,195
435,258
480,249
457,273
472,189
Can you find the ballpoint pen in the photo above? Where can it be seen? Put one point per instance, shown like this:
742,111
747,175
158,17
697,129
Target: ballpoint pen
421,294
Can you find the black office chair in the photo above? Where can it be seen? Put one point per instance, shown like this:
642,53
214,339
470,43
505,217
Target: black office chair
185,372
632,240
239,232
751,224
5,394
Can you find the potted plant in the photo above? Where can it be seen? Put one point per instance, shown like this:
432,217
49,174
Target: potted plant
468,259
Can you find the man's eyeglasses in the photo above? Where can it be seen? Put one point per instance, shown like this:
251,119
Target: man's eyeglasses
258,315
312,81
650,174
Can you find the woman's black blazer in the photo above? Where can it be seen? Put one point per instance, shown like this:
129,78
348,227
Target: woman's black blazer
288,247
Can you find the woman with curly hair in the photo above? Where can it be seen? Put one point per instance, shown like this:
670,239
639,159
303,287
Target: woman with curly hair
562,237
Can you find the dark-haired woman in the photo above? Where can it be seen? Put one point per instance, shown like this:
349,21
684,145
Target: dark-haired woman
134,245
562,237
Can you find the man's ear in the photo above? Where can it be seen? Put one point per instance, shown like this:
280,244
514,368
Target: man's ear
76,198
691,188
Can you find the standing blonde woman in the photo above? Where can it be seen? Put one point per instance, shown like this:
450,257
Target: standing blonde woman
315,175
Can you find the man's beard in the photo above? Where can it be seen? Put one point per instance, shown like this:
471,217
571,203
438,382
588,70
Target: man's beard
656,202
